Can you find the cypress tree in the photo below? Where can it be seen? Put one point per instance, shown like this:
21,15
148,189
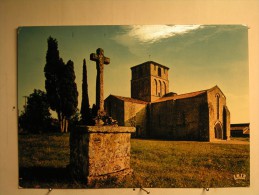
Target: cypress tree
60,85
52,72
85,107
68,93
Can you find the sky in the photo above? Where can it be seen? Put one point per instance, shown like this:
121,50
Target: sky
199,57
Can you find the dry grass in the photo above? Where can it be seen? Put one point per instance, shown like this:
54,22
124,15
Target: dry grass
189,164
43,160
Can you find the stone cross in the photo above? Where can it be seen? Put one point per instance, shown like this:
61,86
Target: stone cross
100,60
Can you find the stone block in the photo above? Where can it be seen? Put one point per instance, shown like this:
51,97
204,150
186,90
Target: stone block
100,152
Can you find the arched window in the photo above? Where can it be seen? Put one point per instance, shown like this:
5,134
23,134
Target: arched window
164,88
160,89
155,85
217,97
159,72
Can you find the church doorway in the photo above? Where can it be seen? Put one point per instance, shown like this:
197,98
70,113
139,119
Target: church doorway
218,131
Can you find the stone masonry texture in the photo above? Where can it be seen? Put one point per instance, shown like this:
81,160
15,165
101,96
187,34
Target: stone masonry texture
97,152
160,114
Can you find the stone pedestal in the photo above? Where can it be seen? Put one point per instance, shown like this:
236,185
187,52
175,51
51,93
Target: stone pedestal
100,152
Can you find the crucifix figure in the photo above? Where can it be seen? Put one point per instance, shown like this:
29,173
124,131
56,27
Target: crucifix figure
100,60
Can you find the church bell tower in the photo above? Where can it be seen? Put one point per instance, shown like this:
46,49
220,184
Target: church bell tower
149,81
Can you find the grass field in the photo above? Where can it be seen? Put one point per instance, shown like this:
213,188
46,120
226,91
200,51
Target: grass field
43,161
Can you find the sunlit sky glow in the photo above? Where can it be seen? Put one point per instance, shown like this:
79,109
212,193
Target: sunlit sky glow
199,57
152,33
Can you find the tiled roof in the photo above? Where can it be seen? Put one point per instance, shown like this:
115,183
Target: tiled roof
172,97
181,96
128,99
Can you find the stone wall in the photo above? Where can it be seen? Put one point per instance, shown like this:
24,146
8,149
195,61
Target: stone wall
135,116
100,152
159,87
203,118
128,113
149,81
140,71
227,122
217,104
180,119
115,108
159,81
140,82
140,88
154,70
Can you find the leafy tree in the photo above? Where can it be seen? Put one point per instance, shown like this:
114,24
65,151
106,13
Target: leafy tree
75,119
68,94
60,85
36,117
85,107
52,73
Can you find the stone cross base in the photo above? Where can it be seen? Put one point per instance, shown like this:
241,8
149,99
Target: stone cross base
100,152
118,175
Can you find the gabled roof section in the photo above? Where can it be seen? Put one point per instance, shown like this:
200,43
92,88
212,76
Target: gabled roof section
182,96
128,99
216,87
150,62
188,95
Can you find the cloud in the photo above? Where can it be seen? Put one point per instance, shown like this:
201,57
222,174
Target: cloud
154,33
139,38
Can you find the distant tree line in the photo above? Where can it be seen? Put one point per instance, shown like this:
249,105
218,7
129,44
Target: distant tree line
36,116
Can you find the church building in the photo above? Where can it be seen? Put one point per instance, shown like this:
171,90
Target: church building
160,114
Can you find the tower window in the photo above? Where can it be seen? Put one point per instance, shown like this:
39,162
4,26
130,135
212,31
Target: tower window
217,96
160,89
156,86
159,72
164,87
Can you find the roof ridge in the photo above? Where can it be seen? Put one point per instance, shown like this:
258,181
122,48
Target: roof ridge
216,86
129,99
205,90
149,62
181,96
